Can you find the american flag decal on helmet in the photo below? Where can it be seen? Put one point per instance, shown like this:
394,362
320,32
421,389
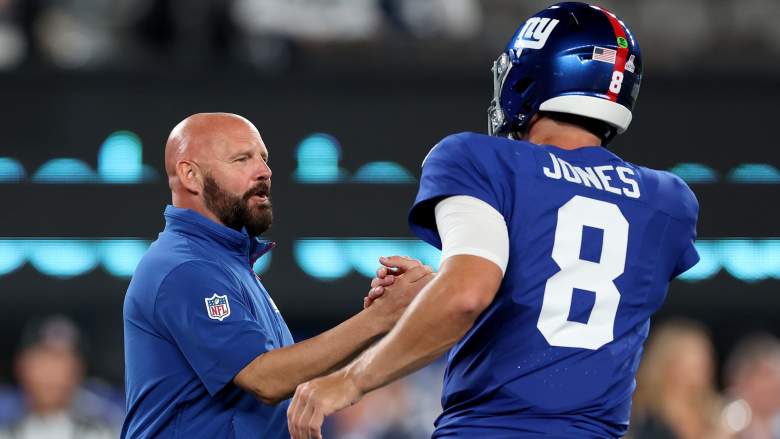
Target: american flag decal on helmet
604,54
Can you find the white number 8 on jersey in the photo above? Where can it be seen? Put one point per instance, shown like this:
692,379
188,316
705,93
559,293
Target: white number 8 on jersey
597,277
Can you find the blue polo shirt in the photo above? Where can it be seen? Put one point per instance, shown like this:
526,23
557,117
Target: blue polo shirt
195,314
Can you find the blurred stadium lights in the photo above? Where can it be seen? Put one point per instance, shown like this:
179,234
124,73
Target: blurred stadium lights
261,264
321,258
737,415
119,257
275,35
356,20
755,173
120,160
695,173
86,34
450,18
749,260
329,259
332,258
11,171
65,170
13,46
335,20
383,173
746,173
318,156
64,258
71,43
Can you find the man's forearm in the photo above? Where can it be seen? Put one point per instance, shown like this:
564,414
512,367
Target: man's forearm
435,321
274,375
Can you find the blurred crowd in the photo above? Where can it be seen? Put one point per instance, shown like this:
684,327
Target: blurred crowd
279,36
677,393
52,398
94,34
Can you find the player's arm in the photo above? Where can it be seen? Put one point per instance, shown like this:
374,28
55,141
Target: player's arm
475,247
443,312
274,375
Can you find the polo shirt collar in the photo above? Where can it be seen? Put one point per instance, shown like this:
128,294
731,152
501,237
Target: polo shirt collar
190,222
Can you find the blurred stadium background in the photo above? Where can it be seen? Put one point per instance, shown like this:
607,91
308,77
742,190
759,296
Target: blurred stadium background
349,95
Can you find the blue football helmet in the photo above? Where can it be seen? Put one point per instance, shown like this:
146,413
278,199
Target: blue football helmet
571,58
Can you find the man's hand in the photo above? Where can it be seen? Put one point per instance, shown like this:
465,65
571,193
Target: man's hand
388,308
315,400
386,275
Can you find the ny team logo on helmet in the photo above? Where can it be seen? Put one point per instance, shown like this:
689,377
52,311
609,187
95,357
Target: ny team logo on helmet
572,58
534,33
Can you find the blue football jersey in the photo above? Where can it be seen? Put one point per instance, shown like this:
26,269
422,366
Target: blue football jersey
594,243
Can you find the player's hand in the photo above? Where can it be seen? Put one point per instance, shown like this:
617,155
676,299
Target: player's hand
396,297
315,400
384,277
392,267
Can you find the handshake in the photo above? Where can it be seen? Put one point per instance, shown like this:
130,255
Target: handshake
398,281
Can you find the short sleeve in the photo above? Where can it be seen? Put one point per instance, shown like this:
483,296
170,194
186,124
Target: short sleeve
688,256
217,342
452,168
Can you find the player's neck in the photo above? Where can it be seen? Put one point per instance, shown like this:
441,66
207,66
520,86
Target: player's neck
546,131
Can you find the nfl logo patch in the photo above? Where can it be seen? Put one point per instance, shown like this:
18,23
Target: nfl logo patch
217,307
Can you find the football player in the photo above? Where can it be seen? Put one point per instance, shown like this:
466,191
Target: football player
555,251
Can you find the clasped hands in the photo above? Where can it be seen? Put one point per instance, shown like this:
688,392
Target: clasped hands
397,283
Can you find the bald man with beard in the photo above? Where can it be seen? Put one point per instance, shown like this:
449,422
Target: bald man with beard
207,353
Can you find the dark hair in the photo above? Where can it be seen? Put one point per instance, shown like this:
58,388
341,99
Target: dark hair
56,329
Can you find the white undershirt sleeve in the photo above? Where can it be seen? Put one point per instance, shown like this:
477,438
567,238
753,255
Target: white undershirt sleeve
470,226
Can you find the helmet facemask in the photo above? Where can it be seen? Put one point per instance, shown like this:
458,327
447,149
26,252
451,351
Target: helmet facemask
505,121
497,121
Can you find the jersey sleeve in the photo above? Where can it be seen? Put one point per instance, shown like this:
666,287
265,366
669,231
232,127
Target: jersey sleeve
688,256
453,168
216,349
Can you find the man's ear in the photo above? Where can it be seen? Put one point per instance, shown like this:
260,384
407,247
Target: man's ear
190,176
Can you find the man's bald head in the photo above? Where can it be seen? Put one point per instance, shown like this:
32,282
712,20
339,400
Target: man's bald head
196,137
217,165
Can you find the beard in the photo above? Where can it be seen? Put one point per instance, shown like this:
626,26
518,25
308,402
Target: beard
234,211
